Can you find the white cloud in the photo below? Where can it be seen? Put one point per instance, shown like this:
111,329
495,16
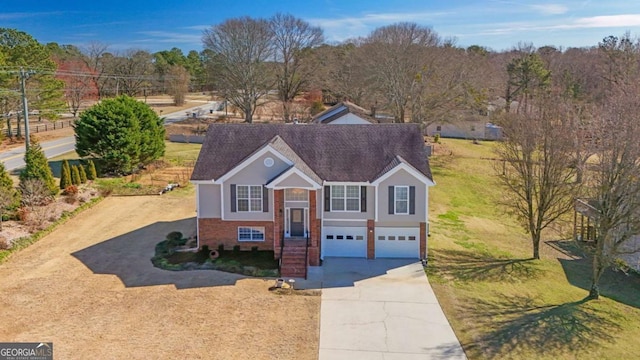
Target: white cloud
170,37
22,15
550,9
339,29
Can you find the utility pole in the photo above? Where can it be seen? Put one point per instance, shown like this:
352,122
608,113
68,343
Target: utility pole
25,107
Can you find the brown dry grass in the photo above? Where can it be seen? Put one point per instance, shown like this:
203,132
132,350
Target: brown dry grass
89,287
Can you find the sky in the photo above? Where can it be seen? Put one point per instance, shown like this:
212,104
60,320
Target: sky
163,24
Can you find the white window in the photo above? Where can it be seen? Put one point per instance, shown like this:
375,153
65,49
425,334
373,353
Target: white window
401,200
296,195
345,198
249,197
250,234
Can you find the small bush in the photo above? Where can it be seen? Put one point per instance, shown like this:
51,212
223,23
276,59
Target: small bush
83,174
236,249
71,190
205,248
254,250
23,214
436,138
174,236
75,175
91,171
220,248
5,244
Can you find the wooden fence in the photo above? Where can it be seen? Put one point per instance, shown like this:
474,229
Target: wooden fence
38,128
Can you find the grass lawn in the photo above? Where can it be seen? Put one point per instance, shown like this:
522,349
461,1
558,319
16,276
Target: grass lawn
501,303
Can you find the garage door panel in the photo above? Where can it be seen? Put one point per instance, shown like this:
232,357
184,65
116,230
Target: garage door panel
344,241
397,243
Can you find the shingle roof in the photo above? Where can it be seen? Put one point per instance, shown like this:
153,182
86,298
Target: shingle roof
334,153
340,109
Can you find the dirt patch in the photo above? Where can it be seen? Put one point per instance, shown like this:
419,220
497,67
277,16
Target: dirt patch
90,285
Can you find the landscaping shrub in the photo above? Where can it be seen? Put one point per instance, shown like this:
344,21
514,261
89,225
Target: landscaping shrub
174,236
254,250
75,175
37,168
236,249
71,190
436,138
91,170
5,243
83,174
220,248
65,175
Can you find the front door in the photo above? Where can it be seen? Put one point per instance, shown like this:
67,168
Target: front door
297,222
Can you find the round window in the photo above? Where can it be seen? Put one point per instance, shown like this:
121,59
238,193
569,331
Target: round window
268,162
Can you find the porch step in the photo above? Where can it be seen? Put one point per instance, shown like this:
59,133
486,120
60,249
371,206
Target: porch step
293,262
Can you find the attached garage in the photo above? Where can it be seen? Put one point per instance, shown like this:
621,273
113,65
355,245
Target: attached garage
344,241
397,242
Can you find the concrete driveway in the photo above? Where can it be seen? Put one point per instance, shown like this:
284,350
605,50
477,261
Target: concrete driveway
381,309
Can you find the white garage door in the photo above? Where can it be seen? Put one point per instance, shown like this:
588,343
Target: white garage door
397,242
344,241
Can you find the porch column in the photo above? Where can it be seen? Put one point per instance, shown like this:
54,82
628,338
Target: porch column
423,240
278,220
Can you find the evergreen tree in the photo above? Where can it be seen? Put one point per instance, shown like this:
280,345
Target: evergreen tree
65,175
75,175
83,174
37,167
9,197
123,132
91,171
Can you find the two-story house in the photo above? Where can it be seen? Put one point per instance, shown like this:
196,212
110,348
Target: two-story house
342,190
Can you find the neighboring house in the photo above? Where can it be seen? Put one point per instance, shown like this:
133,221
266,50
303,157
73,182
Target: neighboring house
344,113
354,191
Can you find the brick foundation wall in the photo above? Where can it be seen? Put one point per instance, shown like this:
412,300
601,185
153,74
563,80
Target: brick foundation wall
214,232
314,228
278,227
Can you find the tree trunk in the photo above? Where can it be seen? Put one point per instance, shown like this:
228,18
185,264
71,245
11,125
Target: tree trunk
536,249
598,269
285,112
18,131
9,131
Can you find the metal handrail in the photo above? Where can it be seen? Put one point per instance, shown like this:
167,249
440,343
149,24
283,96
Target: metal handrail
306,257
281,252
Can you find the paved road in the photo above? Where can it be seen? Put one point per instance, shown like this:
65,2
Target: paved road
14,158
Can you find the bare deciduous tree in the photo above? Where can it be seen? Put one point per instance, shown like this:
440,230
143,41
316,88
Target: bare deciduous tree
536,169
293,39
396,57
242,47
177,82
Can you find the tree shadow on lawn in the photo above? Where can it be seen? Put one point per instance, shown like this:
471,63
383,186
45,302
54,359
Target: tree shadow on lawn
615,285
128,256
470,266
522,324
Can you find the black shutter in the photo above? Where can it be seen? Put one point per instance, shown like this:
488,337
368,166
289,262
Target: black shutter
363,199
233,197
412,200
327,198
391,199
265,199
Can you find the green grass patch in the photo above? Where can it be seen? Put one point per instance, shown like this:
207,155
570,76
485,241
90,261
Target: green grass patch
181,154
24,242
500,302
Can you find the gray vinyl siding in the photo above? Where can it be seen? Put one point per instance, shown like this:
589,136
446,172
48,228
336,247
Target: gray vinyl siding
209,200
402,178
369,214
255,173
294,180
345,223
